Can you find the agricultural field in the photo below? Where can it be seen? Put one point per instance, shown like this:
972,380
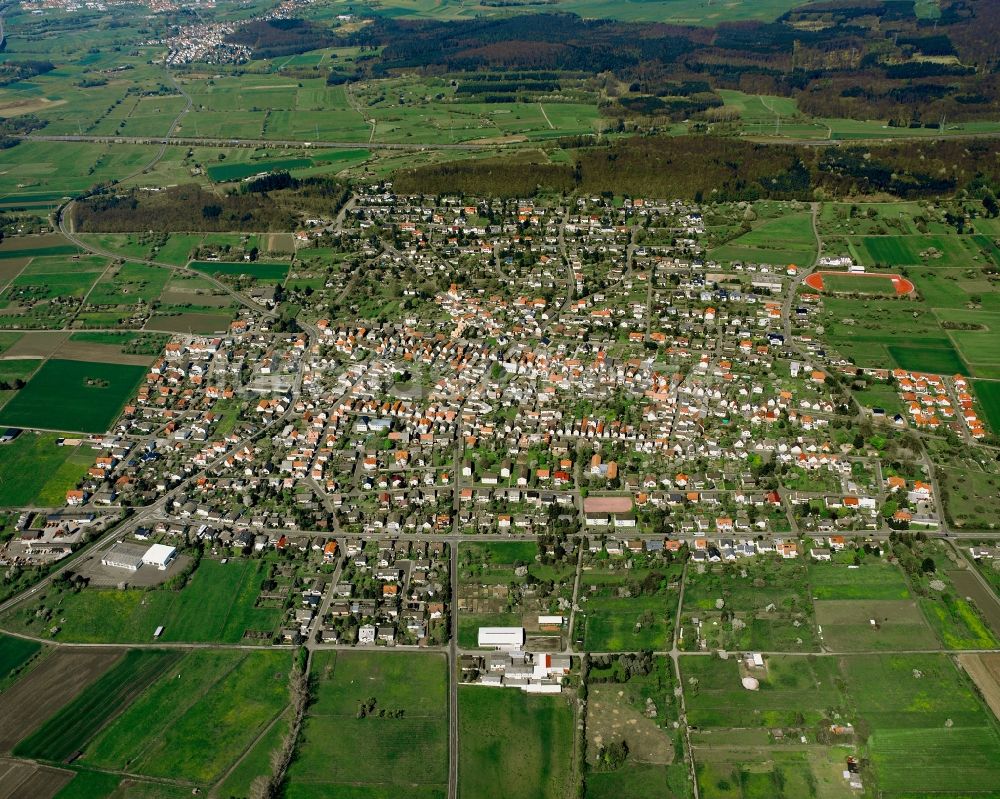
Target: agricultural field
73,395
46,172
501,584
781,241
311,162
628,610
48,687
918,703
196,720
219,603
35,470
763,603
866,606
69,730
889,333
684,12
379,721
988,394
513,745
257,270
956,619
15,655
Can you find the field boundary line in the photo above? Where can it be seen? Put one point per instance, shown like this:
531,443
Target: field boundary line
213,791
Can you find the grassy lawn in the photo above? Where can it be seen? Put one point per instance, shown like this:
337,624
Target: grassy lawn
400,745
513,745
73,395
69,730
197,719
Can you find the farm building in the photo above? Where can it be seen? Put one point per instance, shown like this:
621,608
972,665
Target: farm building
124,556
501,637
159,555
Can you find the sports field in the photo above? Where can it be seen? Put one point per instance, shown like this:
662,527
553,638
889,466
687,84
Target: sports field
80,396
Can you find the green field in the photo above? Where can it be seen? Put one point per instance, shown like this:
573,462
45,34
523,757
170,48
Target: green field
35,470
513,745
217,604
73,395
787,239
872,579
14,654
399,747
791,685
256,270
643,620
988,394
852,284
227,172
68,731
198,718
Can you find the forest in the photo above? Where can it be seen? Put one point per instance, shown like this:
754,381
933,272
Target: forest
713,168
281,37
190,207
859,59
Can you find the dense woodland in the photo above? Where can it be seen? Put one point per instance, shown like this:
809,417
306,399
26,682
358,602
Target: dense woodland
862,59
190,207
281,37
711,168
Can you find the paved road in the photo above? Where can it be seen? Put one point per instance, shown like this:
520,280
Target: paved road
189,141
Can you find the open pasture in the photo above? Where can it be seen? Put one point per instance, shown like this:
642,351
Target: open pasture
513,745
782,241
871,579
34,470
849,625
198,717
400,744
939,251
217,604
73,395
